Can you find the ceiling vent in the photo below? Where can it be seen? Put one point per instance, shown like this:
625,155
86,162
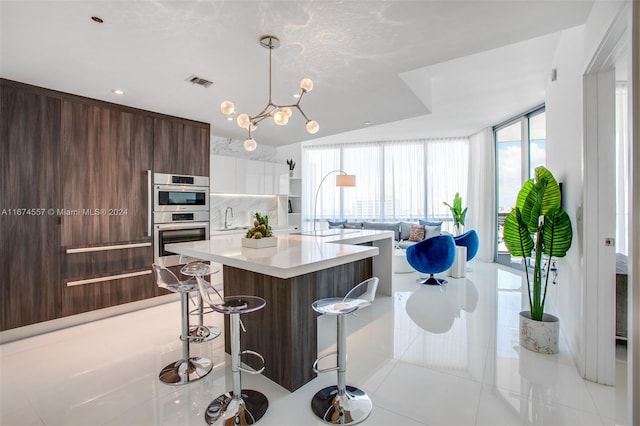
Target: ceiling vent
199,81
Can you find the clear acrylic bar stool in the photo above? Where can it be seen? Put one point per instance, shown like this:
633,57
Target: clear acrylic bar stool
238,406
200,333
342,404
188,369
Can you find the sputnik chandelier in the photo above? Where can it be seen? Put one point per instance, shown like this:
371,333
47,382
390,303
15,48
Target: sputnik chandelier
279,113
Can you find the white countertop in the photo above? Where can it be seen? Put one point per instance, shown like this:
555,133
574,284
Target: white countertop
294,255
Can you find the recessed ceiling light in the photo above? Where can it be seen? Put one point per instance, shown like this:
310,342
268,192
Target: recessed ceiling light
97,19
118,91
229,118
296,95
366,123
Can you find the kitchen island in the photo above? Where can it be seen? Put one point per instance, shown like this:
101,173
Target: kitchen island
290,277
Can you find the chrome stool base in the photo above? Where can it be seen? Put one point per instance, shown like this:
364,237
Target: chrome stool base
244,411
183,372
203,333
350,408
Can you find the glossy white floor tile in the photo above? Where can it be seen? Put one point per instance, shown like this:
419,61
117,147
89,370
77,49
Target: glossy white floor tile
426,356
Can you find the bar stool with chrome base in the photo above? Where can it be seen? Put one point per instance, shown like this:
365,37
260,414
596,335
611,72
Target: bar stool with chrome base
200,333
341,404
188,369
239,406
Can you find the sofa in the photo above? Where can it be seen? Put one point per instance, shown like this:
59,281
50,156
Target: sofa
406,233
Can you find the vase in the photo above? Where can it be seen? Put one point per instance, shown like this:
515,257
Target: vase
539,336
290,173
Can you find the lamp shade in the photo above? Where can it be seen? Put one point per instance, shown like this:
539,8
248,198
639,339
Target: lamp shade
345,180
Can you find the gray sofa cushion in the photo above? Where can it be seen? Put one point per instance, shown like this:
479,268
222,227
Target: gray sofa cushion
405,243
384,226
353,225
432,231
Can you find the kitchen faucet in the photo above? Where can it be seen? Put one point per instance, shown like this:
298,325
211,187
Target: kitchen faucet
227,211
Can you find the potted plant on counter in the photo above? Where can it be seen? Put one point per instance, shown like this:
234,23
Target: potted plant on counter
261,235
458,213
538,224
292,165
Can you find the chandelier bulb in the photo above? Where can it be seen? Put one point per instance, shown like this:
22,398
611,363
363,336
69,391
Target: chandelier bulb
280,118
306,85
227,108
312,127
243,121
287,110
250,144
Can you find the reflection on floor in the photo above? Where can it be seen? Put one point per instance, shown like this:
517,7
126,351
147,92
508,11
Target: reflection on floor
426,356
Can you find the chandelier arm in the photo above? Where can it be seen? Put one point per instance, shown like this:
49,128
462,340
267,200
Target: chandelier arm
302,112
270,52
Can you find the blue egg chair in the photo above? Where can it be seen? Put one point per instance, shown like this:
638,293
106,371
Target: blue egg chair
431,256
471,241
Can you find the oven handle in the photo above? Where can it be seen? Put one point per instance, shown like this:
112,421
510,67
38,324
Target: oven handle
182,188
181,225
149,203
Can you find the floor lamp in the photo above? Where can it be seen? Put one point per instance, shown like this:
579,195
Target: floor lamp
342,180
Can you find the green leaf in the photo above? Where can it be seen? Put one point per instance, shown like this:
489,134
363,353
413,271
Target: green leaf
557,233
551,195
516,235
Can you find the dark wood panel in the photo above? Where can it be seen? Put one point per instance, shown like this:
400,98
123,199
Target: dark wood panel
181,148
88,297
88,265
105,156
30,252
285,331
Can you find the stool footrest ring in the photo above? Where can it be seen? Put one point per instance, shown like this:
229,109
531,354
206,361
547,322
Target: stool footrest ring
256,354
324,370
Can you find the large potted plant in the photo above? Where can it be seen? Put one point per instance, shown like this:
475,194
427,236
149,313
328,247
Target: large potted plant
538,226
459,214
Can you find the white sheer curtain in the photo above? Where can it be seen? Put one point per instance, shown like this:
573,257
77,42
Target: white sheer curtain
481,197
364,201
316,163
622,169
404,195
395,180
447,164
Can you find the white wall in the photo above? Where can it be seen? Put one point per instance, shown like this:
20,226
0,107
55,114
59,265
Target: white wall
564,106
564,148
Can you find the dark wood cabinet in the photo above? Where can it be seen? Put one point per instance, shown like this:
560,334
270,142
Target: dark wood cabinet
29,198
74,200
181,147
106,155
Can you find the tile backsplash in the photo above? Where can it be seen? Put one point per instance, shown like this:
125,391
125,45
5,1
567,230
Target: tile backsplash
244,207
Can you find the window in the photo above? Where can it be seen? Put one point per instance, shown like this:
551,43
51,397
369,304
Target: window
400,180
520,148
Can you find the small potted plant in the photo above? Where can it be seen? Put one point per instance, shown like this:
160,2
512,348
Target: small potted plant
538,225
458,213
261,235
292,165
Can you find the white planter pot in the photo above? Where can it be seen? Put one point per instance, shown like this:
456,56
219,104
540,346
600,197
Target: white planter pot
539,336
261,243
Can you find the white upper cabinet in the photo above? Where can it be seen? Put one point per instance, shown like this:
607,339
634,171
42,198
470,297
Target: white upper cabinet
231,175
223,174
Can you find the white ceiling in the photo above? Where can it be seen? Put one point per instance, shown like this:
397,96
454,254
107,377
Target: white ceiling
471,64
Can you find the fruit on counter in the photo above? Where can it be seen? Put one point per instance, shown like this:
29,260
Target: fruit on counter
261,228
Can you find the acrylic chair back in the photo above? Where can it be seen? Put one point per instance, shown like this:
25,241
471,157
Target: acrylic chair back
166,279
364,292
209,294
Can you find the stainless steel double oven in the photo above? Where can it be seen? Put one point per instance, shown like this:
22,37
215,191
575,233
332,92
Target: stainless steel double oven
181,213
